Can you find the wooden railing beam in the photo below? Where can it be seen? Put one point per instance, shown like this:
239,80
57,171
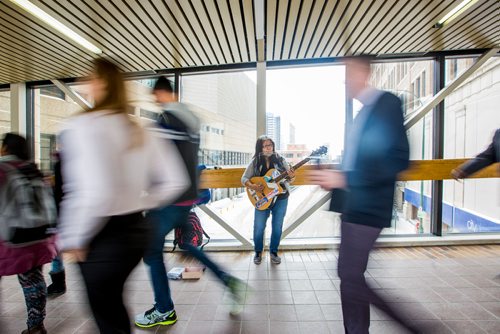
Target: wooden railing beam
419,170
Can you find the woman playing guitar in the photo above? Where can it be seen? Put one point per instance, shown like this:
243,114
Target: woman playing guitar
264,159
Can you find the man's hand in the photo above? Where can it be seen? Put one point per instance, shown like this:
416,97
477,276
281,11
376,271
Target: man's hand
457,174
327,179
75,255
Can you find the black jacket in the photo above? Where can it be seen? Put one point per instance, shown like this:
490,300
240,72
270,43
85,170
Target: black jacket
179,124
485,158
382,152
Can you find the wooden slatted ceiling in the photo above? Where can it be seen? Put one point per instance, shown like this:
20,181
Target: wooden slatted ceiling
26,44
345,27
142,35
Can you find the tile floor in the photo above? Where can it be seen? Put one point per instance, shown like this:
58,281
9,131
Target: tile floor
455,289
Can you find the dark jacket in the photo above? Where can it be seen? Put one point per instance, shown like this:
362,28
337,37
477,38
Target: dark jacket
179,124
382,152
485,158
58,183
20,259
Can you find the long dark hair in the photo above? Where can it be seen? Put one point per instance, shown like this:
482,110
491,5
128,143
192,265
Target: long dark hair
259,159
16,145
116,97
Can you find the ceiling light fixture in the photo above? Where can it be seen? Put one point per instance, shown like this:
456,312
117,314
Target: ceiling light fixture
34,10
454,13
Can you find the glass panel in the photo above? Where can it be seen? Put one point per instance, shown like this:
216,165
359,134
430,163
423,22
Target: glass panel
322,223
52,107
53,91
4,112
52,110
225,103
471,118
306,109
414,86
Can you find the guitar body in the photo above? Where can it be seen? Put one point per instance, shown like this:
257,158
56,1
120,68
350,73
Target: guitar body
262,200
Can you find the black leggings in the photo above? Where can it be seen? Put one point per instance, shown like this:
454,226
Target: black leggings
113,254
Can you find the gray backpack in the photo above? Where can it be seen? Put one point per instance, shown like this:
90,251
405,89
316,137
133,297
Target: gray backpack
27,206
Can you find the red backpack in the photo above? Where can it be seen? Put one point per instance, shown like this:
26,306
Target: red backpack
190,233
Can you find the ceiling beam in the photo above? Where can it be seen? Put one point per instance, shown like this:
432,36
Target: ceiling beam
260,29
72,94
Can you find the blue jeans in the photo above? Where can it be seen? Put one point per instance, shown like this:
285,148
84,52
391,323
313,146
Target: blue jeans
259,225
163,221
57,264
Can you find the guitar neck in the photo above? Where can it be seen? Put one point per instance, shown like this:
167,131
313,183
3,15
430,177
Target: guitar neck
295,167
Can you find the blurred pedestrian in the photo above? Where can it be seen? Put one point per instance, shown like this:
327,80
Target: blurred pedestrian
57,272
112,171
179,124
376,151
24,260
482,160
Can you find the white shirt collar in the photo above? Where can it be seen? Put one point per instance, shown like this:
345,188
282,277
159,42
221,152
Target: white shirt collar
368,96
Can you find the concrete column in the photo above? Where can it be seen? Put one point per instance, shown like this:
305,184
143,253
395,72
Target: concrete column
18,122
261,98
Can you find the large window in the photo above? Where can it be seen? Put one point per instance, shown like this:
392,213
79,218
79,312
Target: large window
4,112
225,103
412,200
471,118
306,109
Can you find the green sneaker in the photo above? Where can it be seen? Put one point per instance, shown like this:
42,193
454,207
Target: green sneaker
153,317
238,290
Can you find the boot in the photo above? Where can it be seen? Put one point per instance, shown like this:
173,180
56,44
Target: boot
58,286
39,329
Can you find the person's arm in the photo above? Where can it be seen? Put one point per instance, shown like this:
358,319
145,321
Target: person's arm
247,175
168,175
482,160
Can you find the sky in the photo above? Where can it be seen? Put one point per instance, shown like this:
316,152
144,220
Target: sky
313,100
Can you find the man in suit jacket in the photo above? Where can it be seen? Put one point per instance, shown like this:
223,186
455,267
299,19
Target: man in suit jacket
376,151
482,160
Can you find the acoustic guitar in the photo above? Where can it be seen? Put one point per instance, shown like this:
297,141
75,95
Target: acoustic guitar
262,200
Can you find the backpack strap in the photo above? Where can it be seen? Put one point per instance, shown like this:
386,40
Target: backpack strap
206,236
175,246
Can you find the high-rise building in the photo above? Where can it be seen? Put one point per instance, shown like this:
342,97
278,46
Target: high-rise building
292,133
277,129
273,129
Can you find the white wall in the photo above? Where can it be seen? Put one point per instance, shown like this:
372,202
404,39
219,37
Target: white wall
472,115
